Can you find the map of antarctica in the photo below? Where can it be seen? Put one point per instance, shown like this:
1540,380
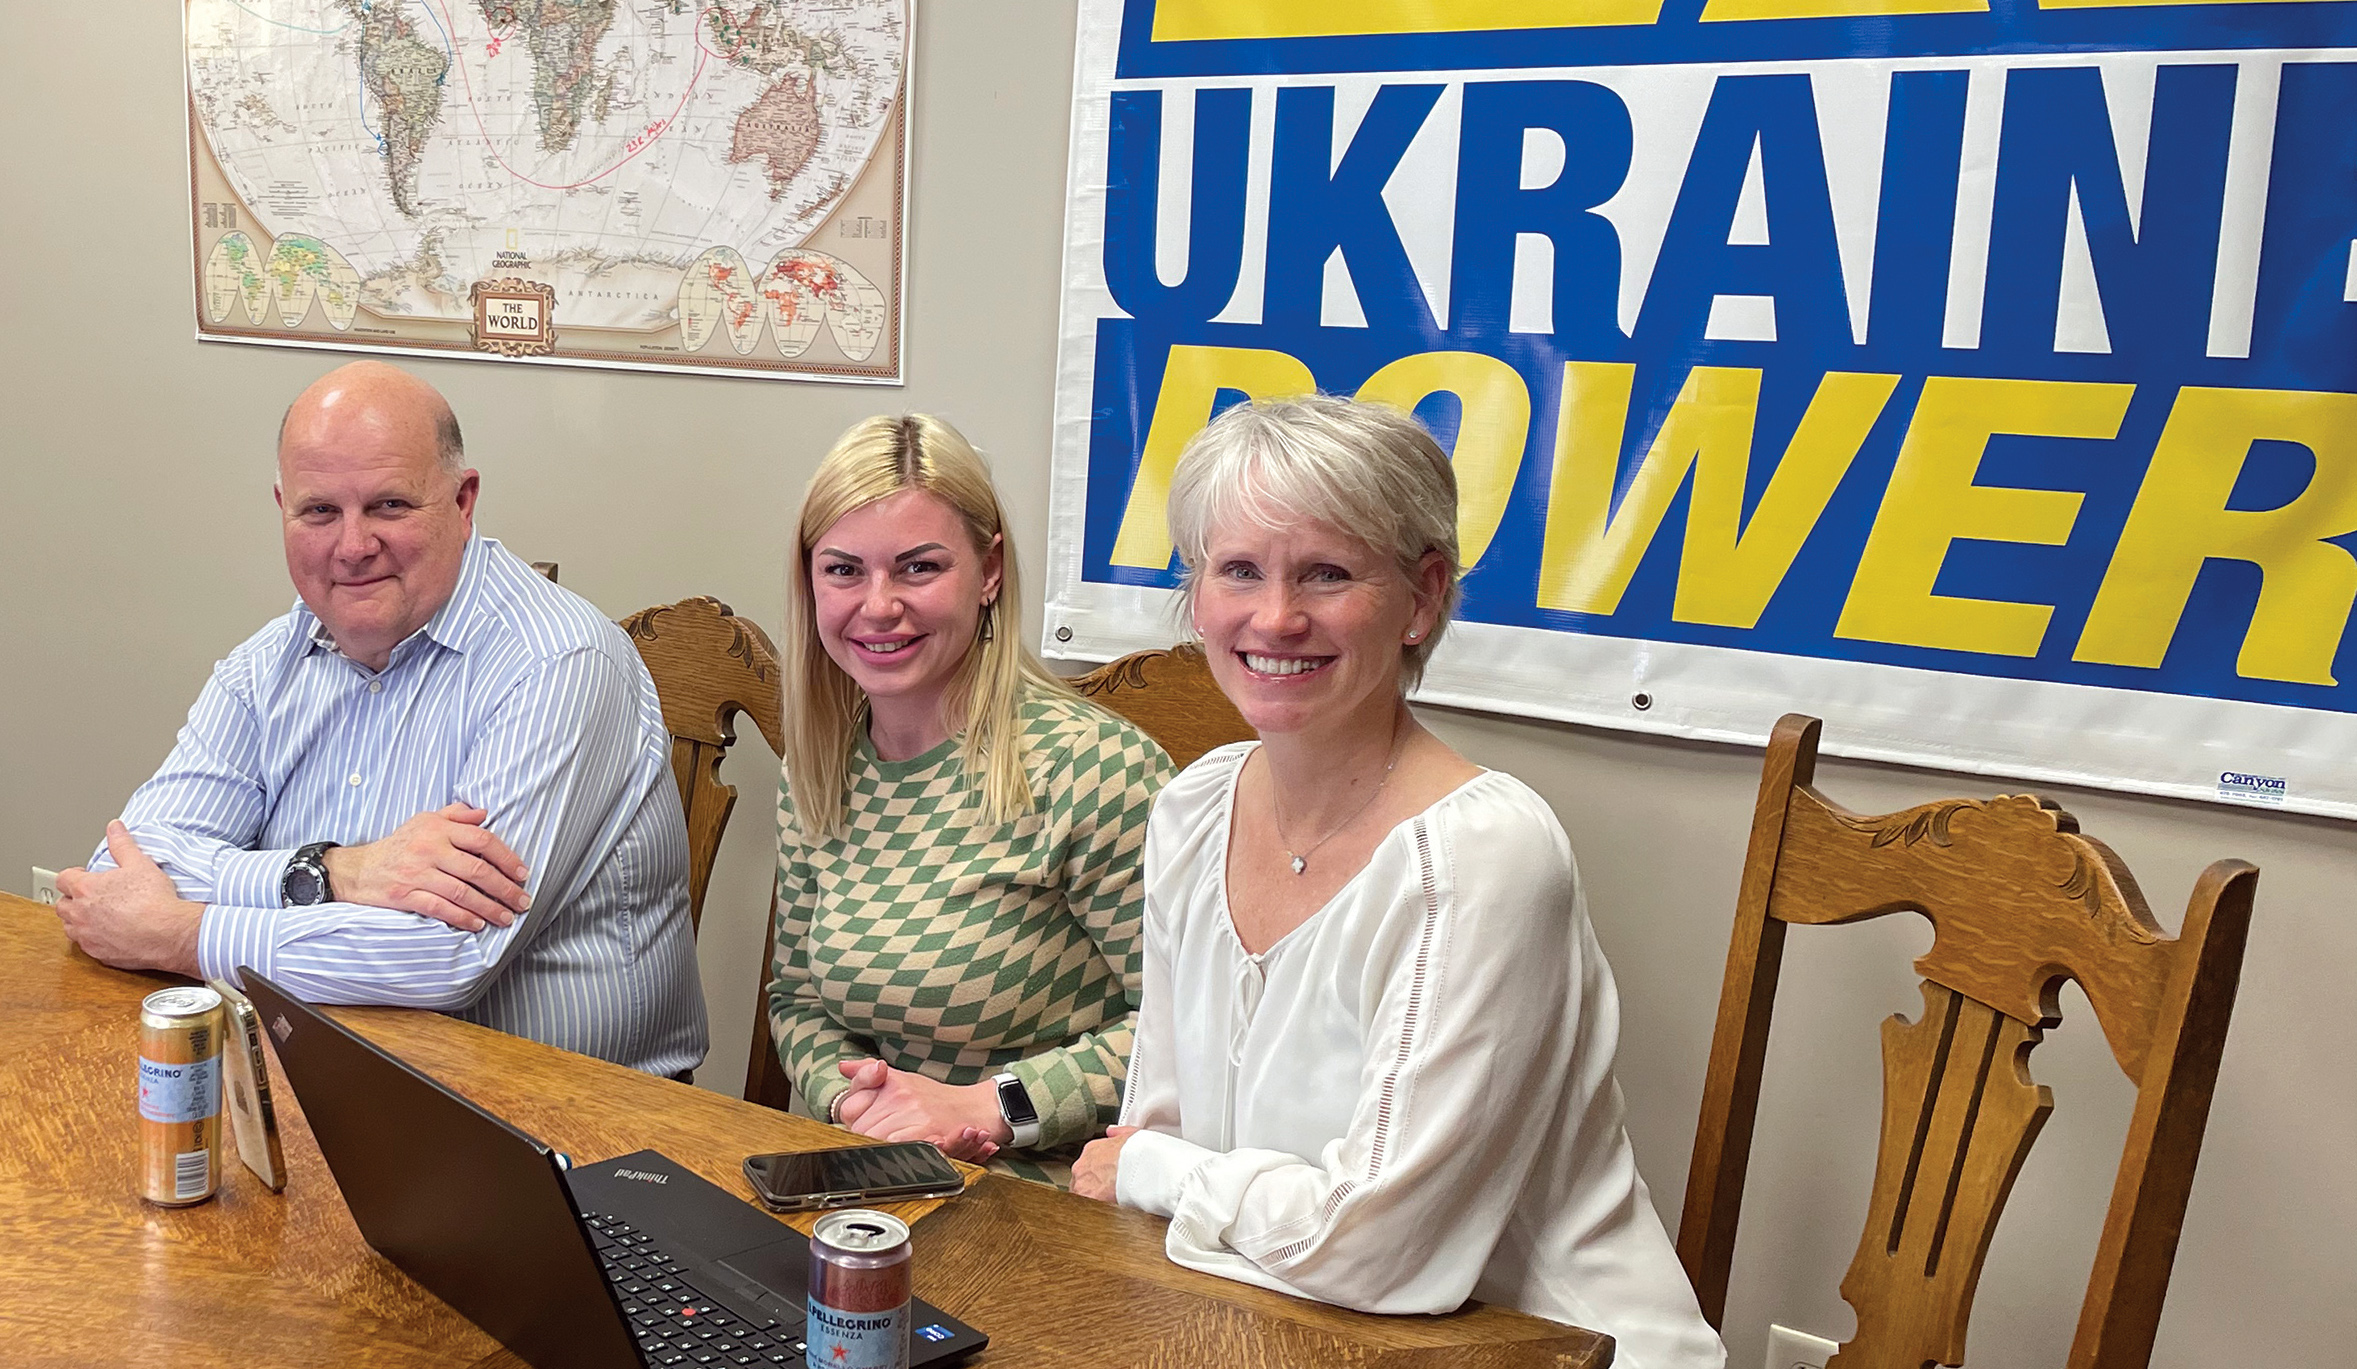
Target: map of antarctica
682,184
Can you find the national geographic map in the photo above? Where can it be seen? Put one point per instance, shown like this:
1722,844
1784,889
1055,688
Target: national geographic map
678,184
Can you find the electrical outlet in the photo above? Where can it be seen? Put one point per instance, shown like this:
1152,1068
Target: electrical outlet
1790,1349
44,885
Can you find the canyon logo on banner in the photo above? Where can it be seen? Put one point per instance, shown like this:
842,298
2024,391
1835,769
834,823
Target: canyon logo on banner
1975,374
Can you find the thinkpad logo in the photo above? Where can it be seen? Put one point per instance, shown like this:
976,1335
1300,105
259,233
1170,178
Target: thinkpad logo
642,1176
279,1027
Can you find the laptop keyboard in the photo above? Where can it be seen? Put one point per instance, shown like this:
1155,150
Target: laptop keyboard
674,1322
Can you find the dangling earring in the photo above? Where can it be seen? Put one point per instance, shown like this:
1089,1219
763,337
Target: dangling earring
989,628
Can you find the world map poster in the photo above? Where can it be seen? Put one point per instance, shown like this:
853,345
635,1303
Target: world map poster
686,185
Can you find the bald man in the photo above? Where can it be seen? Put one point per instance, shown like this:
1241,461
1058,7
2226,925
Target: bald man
439,781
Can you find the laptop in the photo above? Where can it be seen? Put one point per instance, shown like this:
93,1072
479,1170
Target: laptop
624,1264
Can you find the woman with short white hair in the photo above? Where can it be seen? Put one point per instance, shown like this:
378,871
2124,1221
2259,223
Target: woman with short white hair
1373,1064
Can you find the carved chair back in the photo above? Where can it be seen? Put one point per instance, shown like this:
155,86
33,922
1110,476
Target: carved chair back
2019,901
709,665
1171,697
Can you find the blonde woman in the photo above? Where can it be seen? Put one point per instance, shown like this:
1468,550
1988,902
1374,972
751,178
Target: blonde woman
958,949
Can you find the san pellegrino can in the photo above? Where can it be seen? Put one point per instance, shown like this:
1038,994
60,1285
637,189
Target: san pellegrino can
180,1096
859,1291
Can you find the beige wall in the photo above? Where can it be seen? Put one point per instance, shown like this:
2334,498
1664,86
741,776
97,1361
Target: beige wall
139,545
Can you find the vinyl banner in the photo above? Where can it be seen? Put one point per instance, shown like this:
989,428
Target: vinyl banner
1974,374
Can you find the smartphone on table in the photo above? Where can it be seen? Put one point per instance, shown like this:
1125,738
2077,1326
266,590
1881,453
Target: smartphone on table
794,1181
253,1121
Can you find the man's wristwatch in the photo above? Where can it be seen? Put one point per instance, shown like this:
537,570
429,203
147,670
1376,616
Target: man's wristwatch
305,880
1014,1104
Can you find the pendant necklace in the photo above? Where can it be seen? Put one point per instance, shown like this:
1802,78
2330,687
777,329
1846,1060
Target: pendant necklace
1301,860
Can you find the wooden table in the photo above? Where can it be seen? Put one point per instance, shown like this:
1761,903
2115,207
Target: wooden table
91,1275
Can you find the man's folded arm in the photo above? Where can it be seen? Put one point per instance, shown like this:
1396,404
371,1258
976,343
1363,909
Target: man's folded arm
350,953
557,767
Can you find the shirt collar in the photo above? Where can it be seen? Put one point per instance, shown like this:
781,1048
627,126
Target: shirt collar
453,626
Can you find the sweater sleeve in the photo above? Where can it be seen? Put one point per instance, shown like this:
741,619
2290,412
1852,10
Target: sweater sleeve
1105,789
810,1042
1401,1213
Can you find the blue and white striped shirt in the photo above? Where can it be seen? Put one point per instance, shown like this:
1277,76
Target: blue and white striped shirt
517,697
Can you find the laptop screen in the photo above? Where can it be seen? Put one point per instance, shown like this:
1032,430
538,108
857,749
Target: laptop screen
467,1205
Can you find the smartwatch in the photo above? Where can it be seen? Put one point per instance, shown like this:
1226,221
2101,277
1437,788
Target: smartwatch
1014,1104
305,880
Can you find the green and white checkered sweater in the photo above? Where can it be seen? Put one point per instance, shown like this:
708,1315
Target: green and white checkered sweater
956,951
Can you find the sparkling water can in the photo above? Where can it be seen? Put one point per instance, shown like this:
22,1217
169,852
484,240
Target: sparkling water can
180,1096
859,1292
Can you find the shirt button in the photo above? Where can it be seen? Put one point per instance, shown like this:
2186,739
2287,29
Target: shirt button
376,686
355,781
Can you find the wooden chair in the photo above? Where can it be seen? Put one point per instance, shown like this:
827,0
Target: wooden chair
2019,901
709,665
1171,697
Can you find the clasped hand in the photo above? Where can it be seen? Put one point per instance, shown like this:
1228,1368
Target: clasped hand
1094,1173
899,1105
444,865
131,917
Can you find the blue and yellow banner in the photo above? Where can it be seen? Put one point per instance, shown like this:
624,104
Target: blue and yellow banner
1975,373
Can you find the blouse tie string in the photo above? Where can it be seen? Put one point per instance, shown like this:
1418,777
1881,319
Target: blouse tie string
1245,998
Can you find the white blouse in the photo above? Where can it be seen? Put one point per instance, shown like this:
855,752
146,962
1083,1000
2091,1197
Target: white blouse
1407,1100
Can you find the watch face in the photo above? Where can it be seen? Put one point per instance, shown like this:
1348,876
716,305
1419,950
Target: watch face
1015,1102
302,885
